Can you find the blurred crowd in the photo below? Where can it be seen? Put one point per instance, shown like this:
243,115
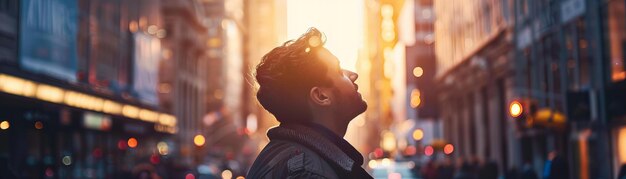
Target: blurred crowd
555,167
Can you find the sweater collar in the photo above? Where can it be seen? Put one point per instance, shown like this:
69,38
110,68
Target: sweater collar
321,140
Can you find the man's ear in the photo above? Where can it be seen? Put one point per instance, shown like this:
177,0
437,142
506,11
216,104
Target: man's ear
320,96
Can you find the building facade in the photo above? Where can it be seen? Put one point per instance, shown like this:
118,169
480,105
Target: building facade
421,68
570,54
474,79
8,44
563,60
72,104
183,84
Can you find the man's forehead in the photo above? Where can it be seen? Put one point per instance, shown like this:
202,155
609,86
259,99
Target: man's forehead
327,57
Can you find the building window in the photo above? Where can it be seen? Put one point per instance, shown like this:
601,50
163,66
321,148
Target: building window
8,7
584,54
579,56
616,36
571,59
487,22
524,7
484,97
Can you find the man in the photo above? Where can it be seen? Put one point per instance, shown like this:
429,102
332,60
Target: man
302,85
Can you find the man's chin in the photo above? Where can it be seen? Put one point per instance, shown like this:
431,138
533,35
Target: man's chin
360,108
363,106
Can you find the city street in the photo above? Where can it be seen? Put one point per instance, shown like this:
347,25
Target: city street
421,89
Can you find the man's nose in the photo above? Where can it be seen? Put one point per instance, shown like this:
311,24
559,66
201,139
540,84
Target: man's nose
352,75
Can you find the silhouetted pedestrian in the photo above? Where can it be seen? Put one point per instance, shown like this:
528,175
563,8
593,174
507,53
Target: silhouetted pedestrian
465,171
556,167
488,171
445,170
528,172
512,173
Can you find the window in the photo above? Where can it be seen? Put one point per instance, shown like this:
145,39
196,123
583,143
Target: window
584,54
8,7
579,56
571,59
616,37
487,22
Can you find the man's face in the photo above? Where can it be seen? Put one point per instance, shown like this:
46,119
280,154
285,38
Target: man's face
347,101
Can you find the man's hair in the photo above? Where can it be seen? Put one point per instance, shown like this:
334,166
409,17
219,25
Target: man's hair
286,75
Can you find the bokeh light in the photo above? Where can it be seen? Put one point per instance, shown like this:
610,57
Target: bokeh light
410,150
163,148
67,160
515,109
428,151
418,72
227,174
372,164
190,176
4,125
199,140
418,134
122,144
448,149
38,125
386,162
132,142
155,159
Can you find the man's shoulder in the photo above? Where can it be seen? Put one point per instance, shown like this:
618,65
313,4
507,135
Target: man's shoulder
286,159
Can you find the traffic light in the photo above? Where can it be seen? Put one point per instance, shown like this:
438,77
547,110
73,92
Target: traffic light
515,109
527,114
523,111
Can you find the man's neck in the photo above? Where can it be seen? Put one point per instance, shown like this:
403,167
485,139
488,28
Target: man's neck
338,129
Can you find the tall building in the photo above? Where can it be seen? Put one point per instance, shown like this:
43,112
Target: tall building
227,132
420,73
475,78
79,97
570,61
542,81
184,71
8,32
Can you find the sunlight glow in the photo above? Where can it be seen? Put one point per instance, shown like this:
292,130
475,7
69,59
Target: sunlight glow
341,23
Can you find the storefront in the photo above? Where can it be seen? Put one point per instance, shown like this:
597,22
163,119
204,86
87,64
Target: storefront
48,131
